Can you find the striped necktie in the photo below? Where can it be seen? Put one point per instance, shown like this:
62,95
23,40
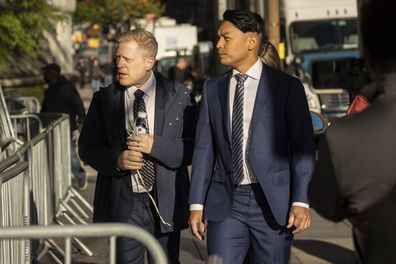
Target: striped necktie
237,129
147,171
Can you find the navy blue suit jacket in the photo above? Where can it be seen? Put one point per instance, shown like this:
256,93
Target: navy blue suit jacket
103,138
280,148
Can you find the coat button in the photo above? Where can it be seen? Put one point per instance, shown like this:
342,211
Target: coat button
177,118
170,124
179,102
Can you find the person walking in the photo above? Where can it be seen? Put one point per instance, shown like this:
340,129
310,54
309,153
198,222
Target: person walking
269,55
96,75
82,69
254,152
142,179
61,96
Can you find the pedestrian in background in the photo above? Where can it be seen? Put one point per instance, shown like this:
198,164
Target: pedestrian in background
355,175
61,96
254,152
82,69
269,55
95,75
142,179
180,72
108,73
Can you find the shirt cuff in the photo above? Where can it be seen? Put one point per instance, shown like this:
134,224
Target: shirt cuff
196,207
305,205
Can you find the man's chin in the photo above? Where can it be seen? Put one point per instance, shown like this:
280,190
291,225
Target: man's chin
124,82
225,62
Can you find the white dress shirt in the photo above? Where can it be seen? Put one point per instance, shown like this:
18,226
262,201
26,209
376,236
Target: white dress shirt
249,97
251,86
149,98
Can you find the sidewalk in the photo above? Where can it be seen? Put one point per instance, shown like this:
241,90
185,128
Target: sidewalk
324,242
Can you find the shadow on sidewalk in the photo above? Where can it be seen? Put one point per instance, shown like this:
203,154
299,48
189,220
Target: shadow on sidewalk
326,251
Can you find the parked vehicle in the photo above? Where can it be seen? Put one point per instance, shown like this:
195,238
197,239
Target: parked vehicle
323,50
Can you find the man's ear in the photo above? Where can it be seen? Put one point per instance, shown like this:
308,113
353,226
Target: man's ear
150,61
252,41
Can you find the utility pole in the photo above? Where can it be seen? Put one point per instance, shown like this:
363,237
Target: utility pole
273,22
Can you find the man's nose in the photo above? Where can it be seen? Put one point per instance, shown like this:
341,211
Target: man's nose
219,44
120,63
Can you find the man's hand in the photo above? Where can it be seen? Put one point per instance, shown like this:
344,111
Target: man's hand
141,143
299,218
130,160
197,226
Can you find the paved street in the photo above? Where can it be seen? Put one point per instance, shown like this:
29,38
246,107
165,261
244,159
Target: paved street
324,242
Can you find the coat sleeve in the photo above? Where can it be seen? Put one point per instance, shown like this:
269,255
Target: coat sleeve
301,141
94,148
203,157
174,152
324,192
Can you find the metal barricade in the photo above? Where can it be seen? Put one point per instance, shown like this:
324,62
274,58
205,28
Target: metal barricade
49,171
26,126
14,207
31,103
93,230
6,131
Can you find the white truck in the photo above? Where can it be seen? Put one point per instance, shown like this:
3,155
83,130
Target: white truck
173,40
322,47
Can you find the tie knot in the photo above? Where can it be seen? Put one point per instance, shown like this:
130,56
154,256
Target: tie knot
139,94
240,77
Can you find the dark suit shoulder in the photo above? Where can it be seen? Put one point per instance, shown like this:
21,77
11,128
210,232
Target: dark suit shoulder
363,151
281,75
215,81
169,84
377,117
111,88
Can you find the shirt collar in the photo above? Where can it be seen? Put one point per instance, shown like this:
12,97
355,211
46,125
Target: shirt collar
147,88
254,72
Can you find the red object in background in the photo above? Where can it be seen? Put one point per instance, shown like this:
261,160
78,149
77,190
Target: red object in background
358,104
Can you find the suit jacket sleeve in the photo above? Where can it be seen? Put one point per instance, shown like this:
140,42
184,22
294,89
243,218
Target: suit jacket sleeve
301,140
174,152
93,146
203,157
324,191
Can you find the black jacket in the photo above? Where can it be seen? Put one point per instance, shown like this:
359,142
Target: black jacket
63,97
355,176
103,138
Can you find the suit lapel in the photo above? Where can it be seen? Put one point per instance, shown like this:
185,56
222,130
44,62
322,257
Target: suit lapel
163,100
224,94
119,112
263,102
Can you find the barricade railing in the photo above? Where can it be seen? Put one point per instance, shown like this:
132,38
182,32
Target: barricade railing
26,126
31,103
14,207
112,231
7,147
54,198
6,130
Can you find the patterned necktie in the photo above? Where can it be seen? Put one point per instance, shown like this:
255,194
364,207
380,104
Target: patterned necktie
237,129
147,171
